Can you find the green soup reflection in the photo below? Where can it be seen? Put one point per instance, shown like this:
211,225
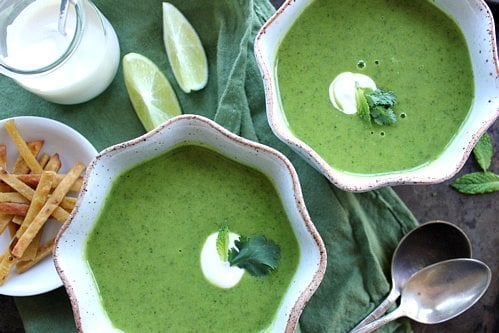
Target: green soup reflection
144,250
406,46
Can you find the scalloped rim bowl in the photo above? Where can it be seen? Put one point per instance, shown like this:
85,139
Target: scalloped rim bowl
69,252
72,147
476,22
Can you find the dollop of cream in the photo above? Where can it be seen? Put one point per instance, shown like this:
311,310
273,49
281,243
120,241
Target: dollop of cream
215,270
342,90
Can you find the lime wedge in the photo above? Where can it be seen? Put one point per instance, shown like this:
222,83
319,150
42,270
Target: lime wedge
151,94
184,50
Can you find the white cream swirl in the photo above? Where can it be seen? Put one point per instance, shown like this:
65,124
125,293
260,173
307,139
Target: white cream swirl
342,90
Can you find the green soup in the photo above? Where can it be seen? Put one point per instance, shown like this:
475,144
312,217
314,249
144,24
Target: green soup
144,251
406,46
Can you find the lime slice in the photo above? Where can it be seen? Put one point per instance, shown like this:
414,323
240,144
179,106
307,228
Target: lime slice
184,49
151,94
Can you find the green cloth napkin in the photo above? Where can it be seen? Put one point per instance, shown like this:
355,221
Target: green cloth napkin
360,230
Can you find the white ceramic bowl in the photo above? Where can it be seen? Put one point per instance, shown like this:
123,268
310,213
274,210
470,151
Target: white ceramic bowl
69,253
476,22
72,147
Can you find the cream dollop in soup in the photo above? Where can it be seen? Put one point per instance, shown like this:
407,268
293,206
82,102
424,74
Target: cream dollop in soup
342,90
216,270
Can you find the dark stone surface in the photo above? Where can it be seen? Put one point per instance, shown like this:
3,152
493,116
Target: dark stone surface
476,215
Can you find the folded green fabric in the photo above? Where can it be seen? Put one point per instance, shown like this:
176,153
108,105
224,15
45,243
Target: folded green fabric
360,230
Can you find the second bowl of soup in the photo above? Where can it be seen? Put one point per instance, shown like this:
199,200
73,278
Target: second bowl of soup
376,93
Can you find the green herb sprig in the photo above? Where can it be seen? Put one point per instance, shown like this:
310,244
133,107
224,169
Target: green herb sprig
483,181
223,242
257,255
376,107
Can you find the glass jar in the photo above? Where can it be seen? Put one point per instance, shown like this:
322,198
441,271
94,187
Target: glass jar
68,67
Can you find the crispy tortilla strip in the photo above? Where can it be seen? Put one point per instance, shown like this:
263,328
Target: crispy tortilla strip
4,222
5,265
33,179
59,213
3,156
12,228
42,252
12,197
32,249
54,163
39,199
16,184
43,160
20,165
22,146
68,203
52,203
13,208
17,220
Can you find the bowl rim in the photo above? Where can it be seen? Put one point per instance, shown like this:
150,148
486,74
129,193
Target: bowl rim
299,205
354,182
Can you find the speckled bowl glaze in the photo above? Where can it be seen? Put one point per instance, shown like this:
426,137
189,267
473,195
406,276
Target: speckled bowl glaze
476,21
187,129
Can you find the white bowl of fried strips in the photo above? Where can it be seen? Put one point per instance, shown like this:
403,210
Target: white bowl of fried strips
42,162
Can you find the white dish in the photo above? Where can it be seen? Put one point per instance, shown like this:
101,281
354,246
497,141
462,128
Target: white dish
476,22
70,246
72,147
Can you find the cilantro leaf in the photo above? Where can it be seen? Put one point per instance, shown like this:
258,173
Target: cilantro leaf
379,106
477,183
257,255
483,152
223,241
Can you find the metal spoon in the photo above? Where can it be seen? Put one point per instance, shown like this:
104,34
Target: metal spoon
439,292
63,15
427,244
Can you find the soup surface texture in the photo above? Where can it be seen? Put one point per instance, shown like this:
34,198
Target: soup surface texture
408,47
145,248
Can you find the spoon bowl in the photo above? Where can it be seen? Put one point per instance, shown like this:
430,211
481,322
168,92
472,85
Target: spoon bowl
439,292
429,243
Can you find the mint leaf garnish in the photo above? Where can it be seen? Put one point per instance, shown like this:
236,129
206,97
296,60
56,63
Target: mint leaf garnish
380,97
477,183
483,152
362,106
223,241
258,255
383,116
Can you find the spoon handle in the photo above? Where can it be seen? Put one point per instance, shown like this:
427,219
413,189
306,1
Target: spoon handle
63,13
380,310
373,326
